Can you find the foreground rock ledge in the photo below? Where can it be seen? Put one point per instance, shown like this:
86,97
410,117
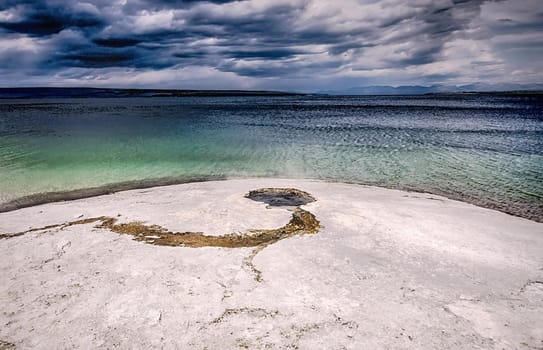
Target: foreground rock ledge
386,269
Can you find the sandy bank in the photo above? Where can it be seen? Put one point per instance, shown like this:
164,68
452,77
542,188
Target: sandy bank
386,269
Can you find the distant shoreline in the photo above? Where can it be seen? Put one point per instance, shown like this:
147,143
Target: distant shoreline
84,92
92,92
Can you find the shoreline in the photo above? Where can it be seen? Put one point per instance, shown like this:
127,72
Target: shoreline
241,264
534,214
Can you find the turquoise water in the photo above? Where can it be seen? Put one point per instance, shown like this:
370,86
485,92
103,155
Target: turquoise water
485,149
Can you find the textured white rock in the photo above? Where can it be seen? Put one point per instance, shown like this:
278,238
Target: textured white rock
389,269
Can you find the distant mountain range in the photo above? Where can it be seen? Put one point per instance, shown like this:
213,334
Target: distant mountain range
433,89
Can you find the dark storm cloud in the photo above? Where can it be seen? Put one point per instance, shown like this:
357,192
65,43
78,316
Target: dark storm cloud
274,54
47,23
134,6
429,29
257,38
183,3
510,26
344,47
268,70
116,42
98,59
106,54
38,18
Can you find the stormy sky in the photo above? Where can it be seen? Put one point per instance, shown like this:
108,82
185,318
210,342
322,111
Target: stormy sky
304,45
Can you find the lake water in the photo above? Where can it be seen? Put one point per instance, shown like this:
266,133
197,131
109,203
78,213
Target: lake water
484,149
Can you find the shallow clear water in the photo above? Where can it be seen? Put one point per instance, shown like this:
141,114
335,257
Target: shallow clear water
486,149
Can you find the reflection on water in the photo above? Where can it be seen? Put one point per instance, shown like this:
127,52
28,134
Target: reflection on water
483,149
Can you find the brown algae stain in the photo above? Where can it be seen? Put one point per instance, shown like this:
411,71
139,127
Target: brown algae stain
301,222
